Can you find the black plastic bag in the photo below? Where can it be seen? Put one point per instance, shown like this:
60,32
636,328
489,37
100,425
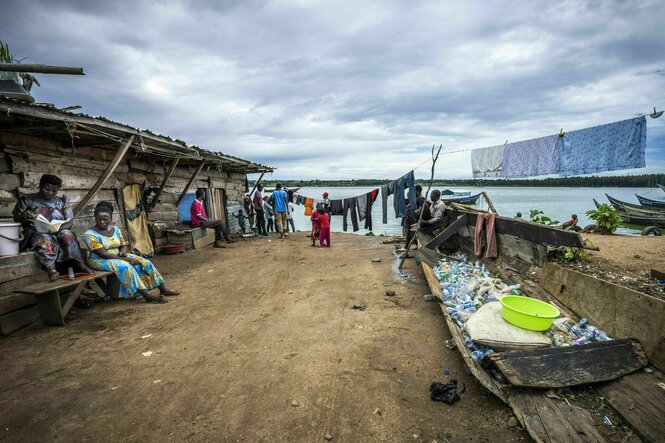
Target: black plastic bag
445,392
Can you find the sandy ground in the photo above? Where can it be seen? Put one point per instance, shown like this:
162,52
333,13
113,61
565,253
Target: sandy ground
626,260
263,345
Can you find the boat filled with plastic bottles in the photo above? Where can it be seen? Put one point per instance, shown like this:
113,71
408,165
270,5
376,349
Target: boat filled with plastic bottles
467,286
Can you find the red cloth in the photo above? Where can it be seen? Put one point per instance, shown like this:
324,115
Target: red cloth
195,211
491,251
324,220
324,236
571,222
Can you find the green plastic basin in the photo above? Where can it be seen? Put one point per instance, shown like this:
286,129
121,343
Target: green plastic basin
528,313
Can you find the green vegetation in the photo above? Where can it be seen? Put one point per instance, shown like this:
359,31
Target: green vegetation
606,217
618,181
574,254
538,216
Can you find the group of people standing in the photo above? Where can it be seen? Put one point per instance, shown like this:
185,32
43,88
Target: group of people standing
268,214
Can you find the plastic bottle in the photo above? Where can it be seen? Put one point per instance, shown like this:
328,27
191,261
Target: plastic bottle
468,342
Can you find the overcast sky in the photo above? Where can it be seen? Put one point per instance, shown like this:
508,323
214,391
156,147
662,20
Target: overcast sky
351,89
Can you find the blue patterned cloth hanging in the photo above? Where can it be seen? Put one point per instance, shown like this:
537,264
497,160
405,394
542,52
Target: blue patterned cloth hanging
530,158
618,145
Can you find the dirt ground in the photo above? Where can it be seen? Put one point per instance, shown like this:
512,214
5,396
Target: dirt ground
626,260
262,345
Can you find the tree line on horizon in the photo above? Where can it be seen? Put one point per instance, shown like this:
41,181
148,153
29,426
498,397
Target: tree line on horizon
617,181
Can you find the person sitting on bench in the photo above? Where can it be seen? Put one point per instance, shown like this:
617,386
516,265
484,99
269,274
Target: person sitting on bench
50,247
109,252
199,219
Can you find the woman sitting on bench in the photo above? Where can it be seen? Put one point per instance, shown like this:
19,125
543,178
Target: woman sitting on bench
109,252
50,247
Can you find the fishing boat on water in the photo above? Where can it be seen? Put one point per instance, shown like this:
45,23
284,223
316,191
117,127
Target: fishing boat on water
640,216
651,202
621,205
462,200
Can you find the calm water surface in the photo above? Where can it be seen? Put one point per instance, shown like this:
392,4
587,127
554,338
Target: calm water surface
557,203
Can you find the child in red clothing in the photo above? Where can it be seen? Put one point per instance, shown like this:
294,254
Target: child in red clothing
316,225
324,226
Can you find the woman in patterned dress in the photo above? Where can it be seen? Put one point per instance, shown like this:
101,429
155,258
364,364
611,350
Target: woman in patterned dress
51,248
109,252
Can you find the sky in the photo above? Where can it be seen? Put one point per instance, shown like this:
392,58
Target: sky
351,89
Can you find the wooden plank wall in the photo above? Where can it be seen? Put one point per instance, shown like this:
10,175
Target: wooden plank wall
26,158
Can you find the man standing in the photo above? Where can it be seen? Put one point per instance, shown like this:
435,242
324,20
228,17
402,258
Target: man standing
257,201
279,202
200,219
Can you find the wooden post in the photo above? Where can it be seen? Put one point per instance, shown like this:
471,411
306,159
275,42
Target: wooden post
107,173
489,202
256,184
189,183
41,69
163,184
422,210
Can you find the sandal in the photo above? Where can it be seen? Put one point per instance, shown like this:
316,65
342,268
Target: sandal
159,299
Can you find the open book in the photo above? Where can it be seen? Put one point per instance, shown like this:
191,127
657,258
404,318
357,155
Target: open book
51,227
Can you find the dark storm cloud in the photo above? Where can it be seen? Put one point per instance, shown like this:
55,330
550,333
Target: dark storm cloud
364,88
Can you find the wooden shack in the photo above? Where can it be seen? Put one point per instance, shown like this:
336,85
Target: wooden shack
100,160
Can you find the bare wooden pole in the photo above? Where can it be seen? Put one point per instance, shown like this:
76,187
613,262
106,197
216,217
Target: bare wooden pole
40,69
489,202
435,157
110,169
189,183
174,163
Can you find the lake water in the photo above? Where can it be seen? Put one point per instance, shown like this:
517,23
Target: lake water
556,203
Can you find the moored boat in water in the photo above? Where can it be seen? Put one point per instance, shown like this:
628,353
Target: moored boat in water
462,200
651,203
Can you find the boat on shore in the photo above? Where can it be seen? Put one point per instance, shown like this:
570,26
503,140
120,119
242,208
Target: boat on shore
651,202
520,377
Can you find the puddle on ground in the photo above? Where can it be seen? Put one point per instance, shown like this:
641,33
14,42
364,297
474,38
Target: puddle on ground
399,274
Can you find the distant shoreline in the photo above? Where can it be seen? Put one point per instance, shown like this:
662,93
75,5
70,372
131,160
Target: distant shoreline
619,181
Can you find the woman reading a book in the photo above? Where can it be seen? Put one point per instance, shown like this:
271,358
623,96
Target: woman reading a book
110,252
53,243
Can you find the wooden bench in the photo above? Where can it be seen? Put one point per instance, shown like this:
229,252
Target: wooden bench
192,237
52,308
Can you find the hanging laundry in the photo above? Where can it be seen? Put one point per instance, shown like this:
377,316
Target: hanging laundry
336,207
530,158
309,206
487,162
618,145
386,190
490,234
402,183
361,205
371,198
350,206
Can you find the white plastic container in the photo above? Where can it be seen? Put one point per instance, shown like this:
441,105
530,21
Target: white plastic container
10,233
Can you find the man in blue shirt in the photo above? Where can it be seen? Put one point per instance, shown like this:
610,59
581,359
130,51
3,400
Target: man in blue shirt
279,201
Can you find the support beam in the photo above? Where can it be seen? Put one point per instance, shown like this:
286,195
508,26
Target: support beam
174,163
107,173
189,183
40,69
448,232
256,184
